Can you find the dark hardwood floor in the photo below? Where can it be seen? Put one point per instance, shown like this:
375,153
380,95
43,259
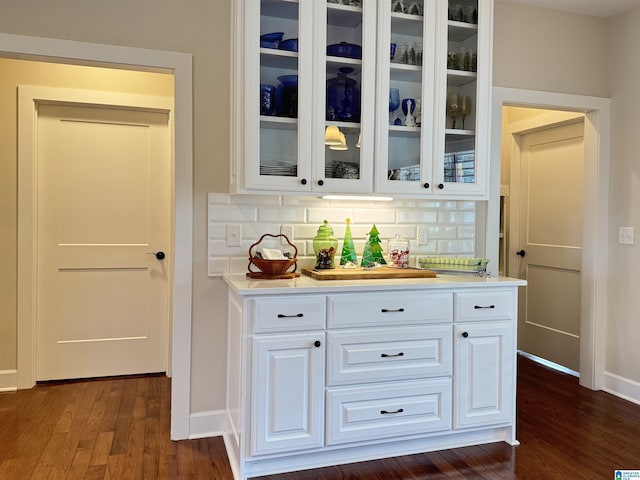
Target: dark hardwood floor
119,429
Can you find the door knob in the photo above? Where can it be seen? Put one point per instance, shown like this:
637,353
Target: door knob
521,253
159,255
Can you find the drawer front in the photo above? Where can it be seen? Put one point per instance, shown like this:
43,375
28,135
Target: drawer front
394,409
484,305
288,314
388,308
381,354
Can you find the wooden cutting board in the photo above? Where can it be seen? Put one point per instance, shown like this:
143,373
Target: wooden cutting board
361,274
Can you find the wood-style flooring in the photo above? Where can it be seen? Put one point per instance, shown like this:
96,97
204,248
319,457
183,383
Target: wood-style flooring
118,428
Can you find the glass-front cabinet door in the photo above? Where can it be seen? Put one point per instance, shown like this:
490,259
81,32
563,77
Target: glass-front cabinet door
278,69
405,70
462,96
345,92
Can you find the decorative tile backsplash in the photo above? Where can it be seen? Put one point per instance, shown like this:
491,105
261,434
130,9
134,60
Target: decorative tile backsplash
450,226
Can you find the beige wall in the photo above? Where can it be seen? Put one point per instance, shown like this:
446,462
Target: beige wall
21,72
198,27
538,49
623,332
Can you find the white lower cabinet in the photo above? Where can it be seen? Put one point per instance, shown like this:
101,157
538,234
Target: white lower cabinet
484,370
322,379
288,404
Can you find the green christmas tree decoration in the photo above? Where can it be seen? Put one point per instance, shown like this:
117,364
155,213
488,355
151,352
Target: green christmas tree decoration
372,255
348,250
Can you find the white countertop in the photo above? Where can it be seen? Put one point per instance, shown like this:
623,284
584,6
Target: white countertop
242,285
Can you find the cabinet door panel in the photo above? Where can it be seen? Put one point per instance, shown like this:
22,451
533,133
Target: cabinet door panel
288,405
484,374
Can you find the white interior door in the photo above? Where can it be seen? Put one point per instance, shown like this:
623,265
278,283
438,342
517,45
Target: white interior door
550,243
103,205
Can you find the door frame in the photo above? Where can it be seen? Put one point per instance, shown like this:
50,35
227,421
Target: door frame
180,64
595,230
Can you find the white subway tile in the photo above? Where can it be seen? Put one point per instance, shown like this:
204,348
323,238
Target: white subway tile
304,231
332,215
304,202
457,247
456,217
404,231
217,231
431,204
218,248
281,214
255,200
380,215
466,205
219,199
218,266
466,232
239,265
440,231
253,231
417,216
222,213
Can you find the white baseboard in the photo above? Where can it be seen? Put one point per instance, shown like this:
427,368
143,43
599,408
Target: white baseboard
622,387
8,380
212,423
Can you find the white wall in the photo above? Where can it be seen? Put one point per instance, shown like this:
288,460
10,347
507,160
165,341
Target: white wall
623,333
539,49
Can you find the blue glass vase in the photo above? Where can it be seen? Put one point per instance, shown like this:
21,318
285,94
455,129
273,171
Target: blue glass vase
343,97
287,96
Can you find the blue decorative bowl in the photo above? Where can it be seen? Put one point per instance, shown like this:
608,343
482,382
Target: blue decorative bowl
271,40
290,44
344,49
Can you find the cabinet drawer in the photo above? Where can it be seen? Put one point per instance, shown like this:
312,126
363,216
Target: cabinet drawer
288,314
380,354
485,305
394,409
388,308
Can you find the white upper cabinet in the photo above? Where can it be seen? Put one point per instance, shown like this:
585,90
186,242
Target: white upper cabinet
362,96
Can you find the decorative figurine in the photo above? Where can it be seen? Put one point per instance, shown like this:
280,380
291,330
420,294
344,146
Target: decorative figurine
372,256
348,257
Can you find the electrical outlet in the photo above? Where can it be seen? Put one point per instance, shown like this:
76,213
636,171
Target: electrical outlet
625,235
234,235
288,231
422,236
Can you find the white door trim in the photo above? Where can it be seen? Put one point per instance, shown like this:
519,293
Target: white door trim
597,112
180,64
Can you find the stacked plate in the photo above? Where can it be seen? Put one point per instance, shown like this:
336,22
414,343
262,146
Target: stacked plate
279,170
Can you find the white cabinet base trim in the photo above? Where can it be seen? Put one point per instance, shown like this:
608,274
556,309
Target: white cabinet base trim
344,454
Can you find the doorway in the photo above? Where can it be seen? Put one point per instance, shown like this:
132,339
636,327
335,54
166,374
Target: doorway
546,185
593,284
181,65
